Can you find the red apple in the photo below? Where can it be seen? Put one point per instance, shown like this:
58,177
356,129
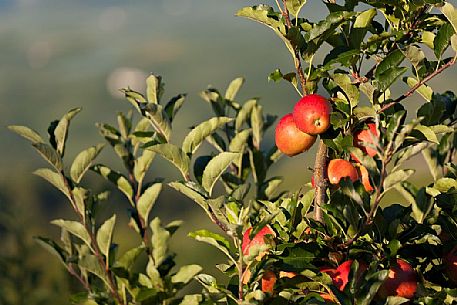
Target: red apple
268,281
340,275
339,168
365,178
289,139
450,266
401,281
365,138
312,114
258,239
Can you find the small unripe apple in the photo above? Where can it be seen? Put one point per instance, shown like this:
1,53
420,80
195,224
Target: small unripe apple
258,239
312,114
340,275
289,139
401,281
268,281
365,178
450,266
365,138
338,169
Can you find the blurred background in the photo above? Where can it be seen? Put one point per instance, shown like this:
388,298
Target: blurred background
60,54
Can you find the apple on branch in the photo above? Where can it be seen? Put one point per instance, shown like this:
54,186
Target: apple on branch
289,139
312,114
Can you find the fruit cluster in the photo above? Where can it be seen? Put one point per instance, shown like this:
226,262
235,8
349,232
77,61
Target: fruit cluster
296,132
402,279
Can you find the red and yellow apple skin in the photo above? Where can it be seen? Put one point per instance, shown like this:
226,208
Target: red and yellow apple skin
312,114
364,138
365,177
450,266
340,168
268,281
340,275
289,139
258,239
401,281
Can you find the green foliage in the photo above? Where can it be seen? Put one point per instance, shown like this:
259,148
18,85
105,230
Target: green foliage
295,239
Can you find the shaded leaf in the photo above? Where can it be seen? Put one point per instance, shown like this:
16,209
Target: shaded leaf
159,241
147,200
397,177
173,106
27,133
116,178
61,130
215,168
213,239
49,154
55,179
75,228
186,273
194,139
83,161
245,113
105,235
175,155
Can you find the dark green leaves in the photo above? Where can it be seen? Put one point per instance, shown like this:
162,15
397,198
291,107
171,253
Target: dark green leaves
388,71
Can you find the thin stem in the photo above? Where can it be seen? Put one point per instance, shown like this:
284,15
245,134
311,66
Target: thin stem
297,60
417,86
73,272
241,274
320,181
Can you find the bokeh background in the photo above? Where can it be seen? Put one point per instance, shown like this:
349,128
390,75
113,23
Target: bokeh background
61,54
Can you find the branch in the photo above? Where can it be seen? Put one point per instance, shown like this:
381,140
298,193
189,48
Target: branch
417,86
320,182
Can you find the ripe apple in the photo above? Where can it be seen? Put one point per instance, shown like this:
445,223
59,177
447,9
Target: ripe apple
401,281
340,275
366,136
312,114
268,281
450,266
258,239
289,139
365,178
339,168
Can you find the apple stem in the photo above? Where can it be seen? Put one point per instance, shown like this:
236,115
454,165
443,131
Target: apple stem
320,181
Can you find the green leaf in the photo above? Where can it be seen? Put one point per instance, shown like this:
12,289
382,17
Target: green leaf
239,141
423,90
52,247
175,155
142,164
414,55
49,154
257,125
92,265
173,106
128,259
83,161
55,179
432,163
360,27
147,200
386,79
351,91
428,133
185,274
270,187
154,89
190,189
295,6
442,39
75,228
397,177
26,133
244,113
195,138
61,130
332,21
233,88
105,235
158,119
390,63
116,178
215,168
191,299
408,153
213,239
159,241
451,14
445,184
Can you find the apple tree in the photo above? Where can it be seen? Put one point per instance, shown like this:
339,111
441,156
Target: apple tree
338,239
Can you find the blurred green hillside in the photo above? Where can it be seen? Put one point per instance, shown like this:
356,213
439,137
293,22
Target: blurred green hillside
62,54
